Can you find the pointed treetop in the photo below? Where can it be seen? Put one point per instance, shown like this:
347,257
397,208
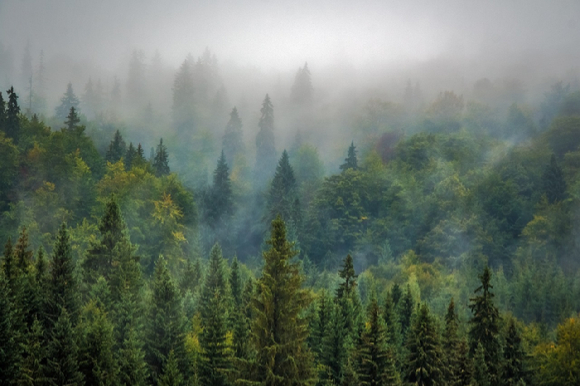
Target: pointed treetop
351,160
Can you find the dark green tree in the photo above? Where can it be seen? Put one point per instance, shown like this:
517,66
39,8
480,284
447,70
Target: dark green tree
279,330
392,329
130,156
321,324
424,362
283,197
233,141
2,112
553,183
513,357
336,343
33,368
68,100
184,98
481,375
265,146
117,148
12,123
171,375
464,365
63,354
376,362
160,162
451,345
166,324
484,326
10,350
72,120
219,200
350,162
405,311
396,294
348,276
131,359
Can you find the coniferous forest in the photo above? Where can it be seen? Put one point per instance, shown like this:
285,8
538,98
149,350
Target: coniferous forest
157,233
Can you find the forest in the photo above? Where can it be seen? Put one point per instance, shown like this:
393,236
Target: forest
201,222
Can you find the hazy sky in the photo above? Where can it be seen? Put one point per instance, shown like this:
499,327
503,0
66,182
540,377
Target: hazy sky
283,34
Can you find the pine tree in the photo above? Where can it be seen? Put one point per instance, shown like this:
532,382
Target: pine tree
33,369
513,357
131,359
347,274
464,365
376,363
215,361
117,148
484,328
62,287
405,311
265,146
219,201
553,183
235,283
481,375
233,141
336,344
350,162
12,123
171,375
451,345
22,254
68,100
160,162
166,324
63,357
279,330
322,324
424,362
10,350
283,195
393,328
130,155
72,120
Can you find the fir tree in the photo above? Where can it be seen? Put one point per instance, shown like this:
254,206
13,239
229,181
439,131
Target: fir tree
63,288
481,375
68,100
279,330
513,357
12,123
347,274
171,375
405,311
219,201
283,197
235,283
376,364
183,98
8,264
2,113
322,324
166,324
265,147
33,370
424,359
336,343
117,148
72,120
131,359
63,357
160,162
350,162
130,155
22,254
233,141
10,350
396,294
393,329
464,368
451,345
302,87
484,328
553,183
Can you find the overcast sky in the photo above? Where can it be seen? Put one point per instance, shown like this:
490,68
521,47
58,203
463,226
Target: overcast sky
282,34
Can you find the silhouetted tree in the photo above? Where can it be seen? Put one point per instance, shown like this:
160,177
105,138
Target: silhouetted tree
68,100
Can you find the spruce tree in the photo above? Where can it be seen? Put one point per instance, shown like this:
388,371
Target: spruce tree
513,357
347,274
424,362
302,87
464,368
72,120
166,324
8,264
2,113
233,141
481,375
117,148
63,287
183,98
350,162
451,345
131,359
68,100
322,324
12,123
279,330
553,183
219,200
376,362
171,375
130,156
393,328
10,349
484,328
336,343
33,368
283,196
63,356
265,147
22,254
160,162
405,311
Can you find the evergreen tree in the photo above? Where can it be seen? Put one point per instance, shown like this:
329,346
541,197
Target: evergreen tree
347,274
350,162
8,264
63,357
481,375
183,98
33,369
63,287
396,294
171,375
131,359
322,324
219,201
405,311
72,120
235,283
10,350
12,122
265,147
513,357
336,343
2,113
553,183
484,328
233,141
464,368
302,87
191,277
283,196
160,162
279,330
214,361
424,359
376,363
166,324
68,100
117,148
129,156
22,254
393,329
451,345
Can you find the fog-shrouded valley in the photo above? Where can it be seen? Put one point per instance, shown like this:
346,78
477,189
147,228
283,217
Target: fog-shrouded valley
289,193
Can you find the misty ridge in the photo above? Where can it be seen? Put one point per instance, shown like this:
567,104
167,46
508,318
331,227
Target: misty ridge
290,193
